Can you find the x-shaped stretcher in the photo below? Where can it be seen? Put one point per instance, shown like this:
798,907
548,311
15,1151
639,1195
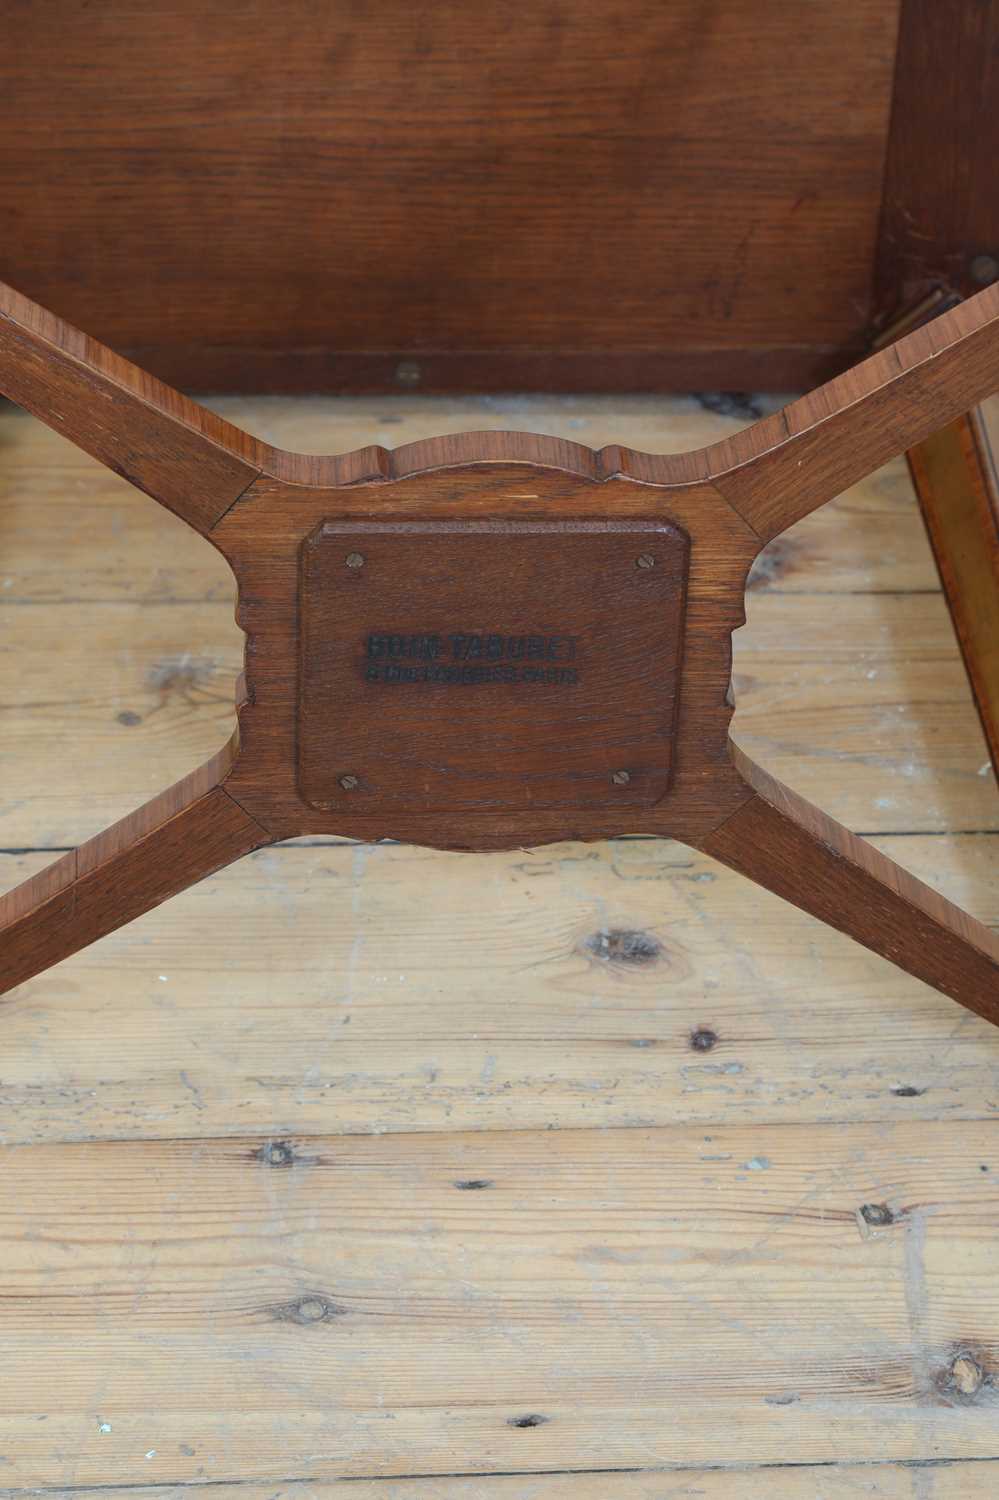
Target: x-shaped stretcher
494,640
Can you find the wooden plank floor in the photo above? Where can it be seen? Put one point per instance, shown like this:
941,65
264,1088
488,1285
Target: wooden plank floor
584,1172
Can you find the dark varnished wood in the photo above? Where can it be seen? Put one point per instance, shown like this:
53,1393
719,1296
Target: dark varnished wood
190,460
451,196
940,218
471,664
187,832
495,476
787,465
460,535
939,242
954,476
784,843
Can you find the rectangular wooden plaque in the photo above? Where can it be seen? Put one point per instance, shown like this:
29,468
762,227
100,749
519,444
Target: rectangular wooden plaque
489,664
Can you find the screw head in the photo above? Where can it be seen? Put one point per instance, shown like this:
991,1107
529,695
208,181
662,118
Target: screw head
408,372
354,560
646,560
984,269
621,778
350,783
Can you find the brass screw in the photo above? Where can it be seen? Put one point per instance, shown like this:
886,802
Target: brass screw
646,560
354,560
349,783
621,778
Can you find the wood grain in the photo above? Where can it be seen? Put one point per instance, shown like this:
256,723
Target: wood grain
120,632
951,1481
181,454
797,851
468,197
123,677
938,242
862,705
467,664
187,832
940,215
877,552
384,989
532,991
471,477
597,1300
303,671
955,479
792,462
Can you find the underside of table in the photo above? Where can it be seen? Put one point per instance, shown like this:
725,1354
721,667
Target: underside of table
495,640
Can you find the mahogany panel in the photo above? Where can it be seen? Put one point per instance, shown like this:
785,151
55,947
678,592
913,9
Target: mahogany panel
469,664
675,661
940,225
450,196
